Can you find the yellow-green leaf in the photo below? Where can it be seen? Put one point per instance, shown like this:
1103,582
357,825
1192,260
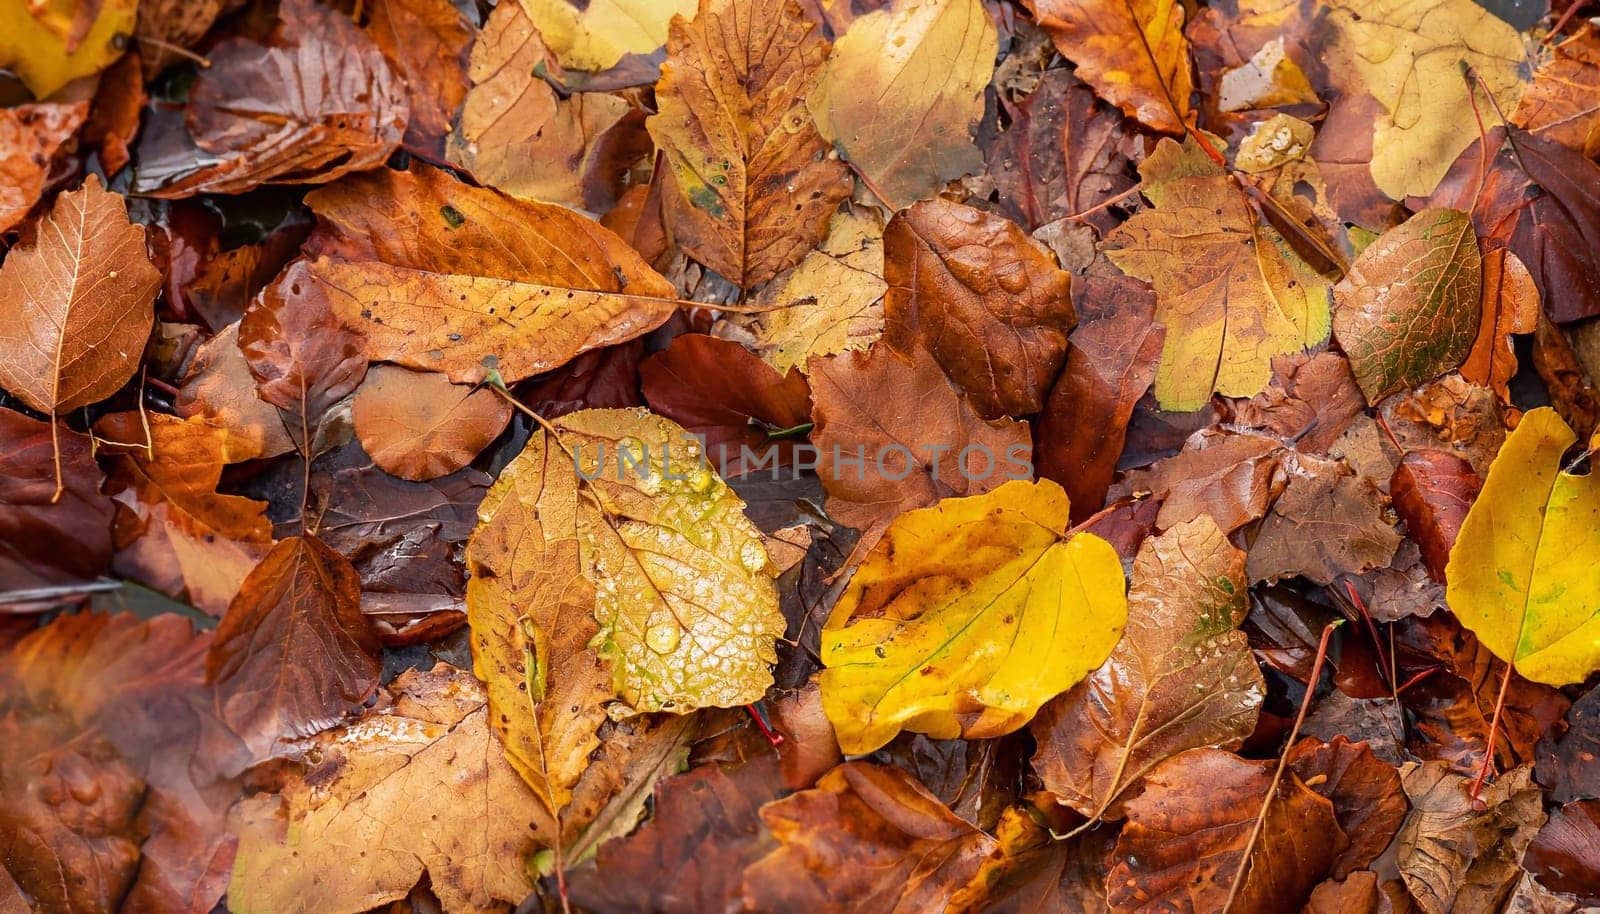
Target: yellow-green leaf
595,35
967,616
1523,573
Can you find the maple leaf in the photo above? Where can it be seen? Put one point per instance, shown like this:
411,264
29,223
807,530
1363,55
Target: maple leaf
1131,51
738,142
954,624
1229,289
901,92
75,306
1520,576
1181,677
418,425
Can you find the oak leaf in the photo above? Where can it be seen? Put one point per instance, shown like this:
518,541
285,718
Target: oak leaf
1182,677
418,425
900,95
31,136
440,276
417,785
1133,52
750,184
1510,305
1521,574
983,298
1230,290
595,36
293,653
1409,308
75,305
957,622
1409,57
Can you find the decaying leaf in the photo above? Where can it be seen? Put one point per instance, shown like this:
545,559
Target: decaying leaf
31,136
418,425
1132,52
752,185
1182,676
1461,854
75,306
1521,573
967,616
901,92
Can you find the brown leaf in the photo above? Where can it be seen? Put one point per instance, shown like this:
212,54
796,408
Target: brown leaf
1065,152
1232,477
118,105
293,653
519,135
1133,53
1312,400
1561,102
690,856
1510,305
46,541
1111,360
1450,414
174,532
1367,798
1033,871
418,425
1566,376
313,102
909,426
179,23
1460,856
1567,761
31,137
920,852
75,305
1565,855
1541,200
983,298
750,184
1359,893
1179,855
540,283
425,42
219,388
1181,678
1432,491
734,401
1328,522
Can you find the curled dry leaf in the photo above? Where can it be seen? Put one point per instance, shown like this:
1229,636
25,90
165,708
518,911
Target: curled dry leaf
418,425
967,617
293,653
1230,290
922,853
1510,305
983,298
900,95
441,276
31,136
516,133
1182,677
417,785
1133,52
75,304
894,434
750,183
315,101
46,540
1460,854
1410,307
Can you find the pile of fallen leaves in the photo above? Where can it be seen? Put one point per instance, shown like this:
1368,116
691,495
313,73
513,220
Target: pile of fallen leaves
799,456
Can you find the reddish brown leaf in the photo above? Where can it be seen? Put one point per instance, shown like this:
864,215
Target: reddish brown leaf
1510,305
418,425
1232,477
220,388
1432,491
1311,401
293,652
986,300
718,390
31,136
426,42
1563,101
44,543
1367,798
1565,855
118,106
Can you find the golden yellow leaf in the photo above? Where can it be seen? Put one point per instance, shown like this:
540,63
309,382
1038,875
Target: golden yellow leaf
1231,292
967,616
751,181
1409,56
902,91
1132,52
595,35
48,43
1522,574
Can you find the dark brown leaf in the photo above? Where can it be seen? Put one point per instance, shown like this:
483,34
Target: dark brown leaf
1569,763
1432,491
44,543
1565,855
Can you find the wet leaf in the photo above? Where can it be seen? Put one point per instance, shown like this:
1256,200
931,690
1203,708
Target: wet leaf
1432,492
1510,305
418,425
1560,103
46,541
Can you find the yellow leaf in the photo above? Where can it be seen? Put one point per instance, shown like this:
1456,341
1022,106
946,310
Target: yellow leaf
1131,51
1408,55
751,183
44,52
1231,292
967,616
598,36
902,91
1522,574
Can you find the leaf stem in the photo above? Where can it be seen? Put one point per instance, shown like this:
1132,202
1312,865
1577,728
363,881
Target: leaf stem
1494,733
